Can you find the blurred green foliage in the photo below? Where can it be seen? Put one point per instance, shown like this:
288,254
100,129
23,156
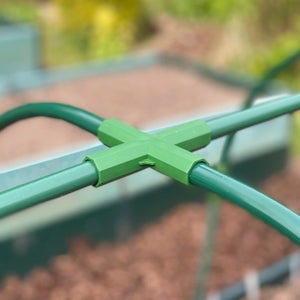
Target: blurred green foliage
295,141
268,30
218,10
271,28
18,11
78,30
277,50
274,31
90,29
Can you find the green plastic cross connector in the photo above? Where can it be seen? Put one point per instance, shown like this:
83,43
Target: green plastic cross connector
132,150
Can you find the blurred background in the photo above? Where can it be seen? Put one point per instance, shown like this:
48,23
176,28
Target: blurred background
245,35
62,50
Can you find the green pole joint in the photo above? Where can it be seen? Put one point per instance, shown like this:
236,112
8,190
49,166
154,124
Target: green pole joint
132,150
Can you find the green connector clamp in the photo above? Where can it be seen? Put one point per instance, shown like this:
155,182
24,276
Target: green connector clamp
132,150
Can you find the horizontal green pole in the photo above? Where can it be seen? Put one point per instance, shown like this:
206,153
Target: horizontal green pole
257,114
47,188
71,114
265,208
75,178
219,127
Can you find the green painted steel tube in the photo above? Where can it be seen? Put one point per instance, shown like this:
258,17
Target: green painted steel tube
71,179
257,114
265,208
219,127
71,114
257,89
48,187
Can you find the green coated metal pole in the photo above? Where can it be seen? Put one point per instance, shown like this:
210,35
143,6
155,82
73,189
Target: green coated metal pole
69,180
260,87
257,114
71,114
258,204
48,187
219,127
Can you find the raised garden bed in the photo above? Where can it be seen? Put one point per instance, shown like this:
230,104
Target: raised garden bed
160,262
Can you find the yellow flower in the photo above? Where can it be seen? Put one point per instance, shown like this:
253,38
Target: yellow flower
105,19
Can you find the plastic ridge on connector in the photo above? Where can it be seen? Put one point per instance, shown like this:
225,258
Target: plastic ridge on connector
132,150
